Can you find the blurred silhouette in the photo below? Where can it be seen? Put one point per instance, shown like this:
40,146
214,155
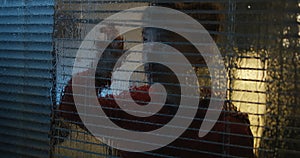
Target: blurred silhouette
231,136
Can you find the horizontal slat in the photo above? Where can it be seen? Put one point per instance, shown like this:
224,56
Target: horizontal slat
34,91
26,64
23,147
11,114
25,125
27,11
26,28
27,55
23,98
16,140
26,81
8,154
17,153
22,3
35,19
26,134
26,46
28,108
25,37
23,72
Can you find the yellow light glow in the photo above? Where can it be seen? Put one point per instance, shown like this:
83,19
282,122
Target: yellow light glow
249,94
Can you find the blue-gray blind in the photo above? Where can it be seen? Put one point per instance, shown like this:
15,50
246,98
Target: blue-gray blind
26,77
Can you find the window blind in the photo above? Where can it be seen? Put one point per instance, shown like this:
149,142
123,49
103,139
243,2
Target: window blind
26,77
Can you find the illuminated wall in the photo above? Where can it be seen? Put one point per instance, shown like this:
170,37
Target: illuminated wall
249,91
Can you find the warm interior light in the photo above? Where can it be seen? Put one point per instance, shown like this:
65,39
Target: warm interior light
249,93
